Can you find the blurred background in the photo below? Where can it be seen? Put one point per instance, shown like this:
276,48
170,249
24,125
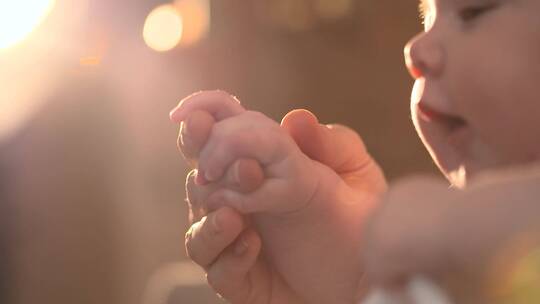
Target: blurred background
91,185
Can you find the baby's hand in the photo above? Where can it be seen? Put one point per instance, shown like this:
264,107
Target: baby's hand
227,248
291,178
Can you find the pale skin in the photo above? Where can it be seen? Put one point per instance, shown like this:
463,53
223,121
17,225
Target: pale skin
469,242
477,67
354,180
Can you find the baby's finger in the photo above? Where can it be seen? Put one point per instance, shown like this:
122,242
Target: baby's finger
244,176
249,135
260,201
219,104
206,239
195,198
194,133
217,157
228,276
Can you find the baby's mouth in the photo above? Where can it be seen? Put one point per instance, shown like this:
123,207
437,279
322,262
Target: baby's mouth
455,127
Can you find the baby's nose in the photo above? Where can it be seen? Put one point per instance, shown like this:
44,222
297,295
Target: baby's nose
424,56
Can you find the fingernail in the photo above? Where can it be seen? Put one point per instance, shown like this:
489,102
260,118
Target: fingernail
241,246
216,222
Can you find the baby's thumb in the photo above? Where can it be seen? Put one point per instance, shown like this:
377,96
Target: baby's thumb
336,146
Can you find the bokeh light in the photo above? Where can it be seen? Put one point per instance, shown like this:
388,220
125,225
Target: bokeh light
18,18
196,20
163,28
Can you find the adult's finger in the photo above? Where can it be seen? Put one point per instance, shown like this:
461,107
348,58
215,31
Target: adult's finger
219,104
244,175
206,239
195,197
337,147
265,197
194,133
232,273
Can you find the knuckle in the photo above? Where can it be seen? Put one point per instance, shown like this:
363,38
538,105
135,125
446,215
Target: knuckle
196,243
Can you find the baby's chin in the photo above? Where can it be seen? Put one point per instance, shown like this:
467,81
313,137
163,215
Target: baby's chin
461,167
462,171
462,156
459,177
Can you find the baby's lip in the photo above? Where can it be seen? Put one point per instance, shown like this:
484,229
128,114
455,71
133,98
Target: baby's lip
456,130
430,114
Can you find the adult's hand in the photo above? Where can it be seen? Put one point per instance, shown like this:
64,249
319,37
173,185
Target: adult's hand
336,146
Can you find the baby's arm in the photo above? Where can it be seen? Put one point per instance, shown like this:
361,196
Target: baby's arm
473,242
313,247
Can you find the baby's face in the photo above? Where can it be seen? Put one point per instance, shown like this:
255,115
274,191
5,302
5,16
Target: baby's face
476,100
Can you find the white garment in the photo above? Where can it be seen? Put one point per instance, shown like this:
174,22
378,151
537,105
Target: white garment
419,290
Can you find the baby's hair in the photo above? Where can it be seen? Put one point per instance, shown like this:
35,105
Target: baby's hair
423,10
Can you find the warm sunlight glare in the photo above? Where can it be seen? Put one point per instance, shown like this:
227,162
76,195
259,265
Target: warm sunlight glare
196,19
163,28
19,17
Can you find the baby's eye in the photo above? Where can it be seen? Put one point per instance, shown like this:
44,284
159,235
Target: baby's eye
472,12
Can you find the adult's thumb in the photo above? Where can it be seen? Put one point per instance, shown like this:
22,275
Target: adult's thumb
336,146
